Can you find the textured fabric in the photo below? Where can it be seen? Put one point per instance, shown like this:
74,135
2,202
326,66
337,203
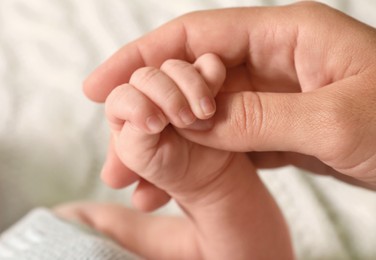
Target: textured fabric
53,140
42,236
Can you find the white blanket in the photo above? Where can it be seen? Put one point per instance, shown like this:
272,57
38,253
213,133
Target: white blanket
53,140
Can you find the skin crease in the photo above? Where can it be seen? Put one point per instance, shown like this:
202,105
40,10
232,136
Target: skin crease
299,89
313,94
304,67
219,191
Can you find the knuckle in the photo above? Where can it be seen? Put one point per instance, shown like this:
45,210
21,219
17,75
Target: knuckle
312,11
311,6
189,16
173,64
339,131
173,100
248,119
114,100
185,75
185,69
142,77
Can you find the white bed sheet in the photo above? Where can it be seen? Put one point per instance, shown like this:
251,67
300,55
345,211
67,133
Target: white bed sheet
52,139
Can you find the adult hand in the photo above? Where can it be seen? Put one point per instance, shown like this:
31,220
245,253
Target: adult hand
300,78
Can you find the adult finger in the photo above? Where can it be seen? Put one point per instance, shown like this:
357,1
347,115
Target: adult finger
182,39
315,123
270,160
250,121
137,232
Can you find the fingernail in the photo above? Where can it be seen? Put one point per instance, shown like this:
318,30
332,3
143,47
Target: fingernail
207,106
187,116
201,125
155,123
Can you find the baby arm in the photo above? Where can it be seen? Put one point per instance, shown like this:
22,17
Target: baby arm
187,98
229,212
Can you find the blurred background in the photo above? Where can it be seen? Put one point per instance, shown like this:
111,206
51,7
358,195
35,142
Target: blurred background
53,140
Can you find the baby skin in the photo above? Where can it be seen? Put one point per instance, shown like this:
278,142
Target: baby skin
228,212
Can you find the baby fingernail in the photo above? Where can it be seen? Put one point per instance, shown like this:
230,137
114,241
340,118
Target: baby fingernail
187,116
207,106
155,123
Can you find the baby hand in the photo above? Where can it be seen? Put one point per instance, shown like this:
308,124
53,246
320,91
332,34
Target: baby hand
139,114
229,214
